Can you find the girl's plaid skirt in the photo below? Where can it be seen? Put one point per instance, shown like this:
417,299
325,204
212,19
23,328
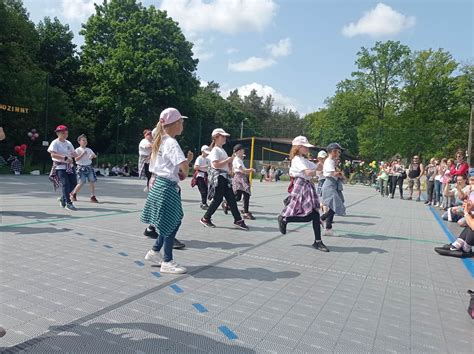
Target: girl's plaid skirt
163,207
302,199
240,182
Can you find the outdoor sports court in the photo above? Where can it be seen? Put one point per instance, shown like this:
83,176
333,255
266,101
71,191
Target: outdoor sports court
77,281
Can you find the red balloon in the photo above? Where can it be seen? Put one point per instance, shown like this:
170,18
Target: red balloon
22,152
24,146
17,148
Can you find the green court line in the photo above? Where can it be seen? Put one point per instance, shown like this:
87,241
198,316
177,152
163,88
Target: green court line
69,219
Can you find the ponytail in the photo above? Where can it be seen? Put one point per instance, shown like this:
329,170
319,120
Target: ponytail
213,143
160,131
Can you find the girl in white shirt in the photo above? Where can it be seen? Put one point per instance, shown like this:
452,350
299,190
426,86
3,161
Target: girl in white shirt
163,207
200,175
240,181
144,153
219,181
331,193
302,205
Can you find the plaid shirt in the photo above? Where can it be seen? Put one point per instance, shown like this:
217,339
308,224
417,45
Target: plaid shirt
53,175
302,200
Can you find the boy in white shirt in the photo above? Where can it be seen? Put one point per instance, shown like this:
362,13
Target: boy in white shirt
85,171
62,173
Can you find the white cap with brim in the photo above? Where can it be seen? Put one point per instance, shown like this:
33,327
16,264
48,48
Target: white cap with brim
170,115
322,154
205,148
219,131
301,141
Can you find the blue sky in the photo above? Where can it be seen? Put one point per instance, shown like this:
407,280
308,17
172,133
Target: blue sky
296,50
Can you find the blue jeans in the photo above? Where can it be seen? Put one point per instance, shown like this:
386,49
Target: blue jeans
167,244
68,183
437,189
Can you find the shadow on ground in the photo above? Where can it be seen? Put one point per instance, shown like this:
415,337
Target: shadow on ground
137,337
261,274
222,245
361,250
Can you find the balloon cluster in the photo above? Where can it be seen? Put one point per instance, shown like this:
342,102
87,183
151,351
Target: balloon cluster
373,164
33,134
21,149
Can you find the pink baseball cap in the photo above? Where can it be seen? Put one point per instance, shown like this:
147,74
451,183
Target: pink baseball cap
301,140
170,115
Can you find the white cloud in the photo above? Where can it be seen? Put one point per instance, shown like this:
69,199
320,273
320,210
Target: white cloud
232,51
251,64
280,49
77,9
203,83
200,51
265,91
380,21
227,16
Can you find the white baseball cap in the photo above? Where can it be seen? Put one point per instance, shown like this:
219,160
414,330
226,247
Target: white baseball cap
301,140
322,154
219,131
205,148
170,115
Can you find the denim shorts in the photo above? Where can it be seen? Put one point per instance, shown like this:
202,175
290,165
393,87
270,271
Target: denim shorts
86,174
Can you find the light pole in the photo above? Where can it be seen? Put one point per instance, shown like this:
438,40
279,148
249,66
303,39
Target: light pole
46,108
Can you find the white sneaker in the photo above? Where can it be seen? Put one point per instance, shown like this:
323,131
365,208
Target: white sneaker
154,257
172,268
329,232
145,189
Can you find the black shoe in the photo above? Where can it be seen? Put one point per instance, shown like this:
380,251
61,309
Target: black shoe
151,233
177,245
282,224
204,206
391,197
241,225
418,199
319,245
207,222
444,247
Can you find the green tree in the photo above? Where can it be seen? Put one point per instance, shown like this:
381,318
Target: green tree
380,72
57,54
137,62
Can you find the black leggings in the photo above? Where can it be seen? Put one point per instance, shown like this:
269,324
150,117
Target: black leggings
146,166
223,190
468,236
394,181
238,197
328,217
314,217
202,189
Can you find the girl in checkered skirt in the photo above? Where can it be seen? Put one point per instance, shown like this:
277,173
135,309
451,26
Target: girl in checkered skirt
163,207
302,205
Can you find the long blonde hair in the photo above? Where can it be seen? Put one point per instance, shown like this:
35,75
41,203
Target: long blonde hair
155,146
295,149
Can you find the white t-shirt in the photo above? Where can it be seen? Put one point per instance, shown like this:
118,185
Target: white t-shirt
85,160
203,163
329,167
218,154
144,148
166,163
64,148
298,165
237,164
